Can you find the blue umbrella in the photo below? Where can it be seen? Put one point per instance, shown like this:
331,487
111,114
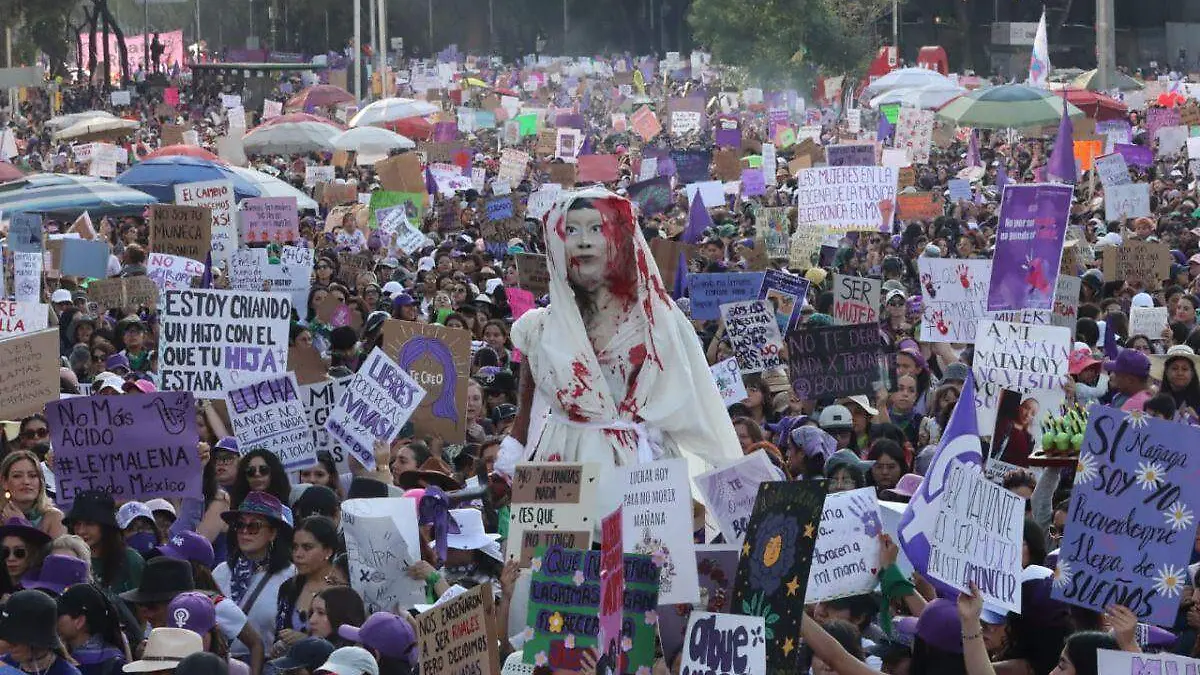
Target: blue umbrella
160,175
68,196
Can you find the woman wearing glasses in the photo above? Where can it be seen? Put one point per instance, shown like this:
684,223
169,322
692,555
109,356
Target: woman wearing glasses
259,562
20,542
25,491
260,471
34,430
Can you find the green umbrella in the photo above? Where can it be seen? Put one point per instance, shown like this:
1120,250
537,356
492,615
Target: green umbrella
1118,81
1009,106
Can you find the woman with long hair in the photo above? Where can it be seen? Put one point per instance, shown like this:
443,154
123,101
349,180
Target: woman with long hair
89,624
260,471
1180,380
21,545
29,627
25,493
324,472
332,608
495,336
314,545
34,429
93,518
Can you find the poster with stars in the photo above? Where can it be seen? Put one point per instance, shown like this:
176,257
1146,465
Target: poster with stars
772,574
1131,523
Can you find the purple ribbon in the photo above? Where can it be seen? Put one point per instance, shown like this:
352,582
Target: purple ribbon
434,510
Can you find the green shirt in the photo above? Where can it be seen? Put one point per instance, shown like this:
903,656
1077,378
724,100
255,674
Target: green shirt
129,578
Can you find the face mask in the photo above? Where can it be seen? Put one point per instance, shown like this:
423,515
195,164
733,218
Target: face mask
142,542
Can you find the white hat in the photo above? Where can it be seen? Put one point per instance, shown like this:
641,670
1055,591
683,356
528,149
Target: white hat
131,510
61,295
160,504
167,647
471,535
863,402
350,661
450,594
1142,300
107,380
392,288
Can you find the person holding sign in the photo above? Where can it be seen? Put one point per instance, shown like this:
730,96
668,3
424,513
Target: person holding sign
612,353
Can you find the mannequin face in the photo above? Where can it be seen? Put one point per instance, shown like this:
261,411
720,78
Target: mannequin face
587,249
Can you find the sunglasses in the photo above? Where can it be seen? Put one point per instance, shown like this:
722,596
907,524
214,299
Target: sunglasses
251,527
31,434
18,553
252,471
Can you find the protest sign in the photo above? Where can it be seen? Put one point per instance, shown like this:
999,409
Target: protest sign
919,205
728,378
1112,170
126,294
805,246
567,604
856,299
833,360
1130,526
846,198
857,154
724,644
1135,155
269,414
460,635
29,369
1029,246
717,566
914,133
645,123
774,221
691,166
319,400
731,490
83,258
991,556
1147,321
1113,662
439,360
171,272
657,521
25,233
381,542
710,291
597,168
846,556
532,273
954,298
1066,302
314,175
214,339
27,276
218,197
776,557
270,220
1135,261
181,230
378,401
612,585
754,335
1021,356
134,446
19,318
1126,201
552,505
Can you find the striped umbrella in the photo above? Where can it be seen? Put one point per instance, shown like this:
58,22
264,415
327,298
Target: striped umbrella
1009,106
68,196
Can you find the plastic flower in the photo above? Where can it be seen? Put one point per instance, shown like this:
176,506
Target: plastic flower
540,659
651,617
578,578
1178,516
536,564
626,643
1085,468
1149,475
569,641
1062,573
1170,580
1137,419
555,622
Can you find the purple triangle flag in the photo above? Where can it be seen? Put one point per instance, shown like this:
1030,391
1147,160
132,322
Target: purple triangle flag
1001,176
679,288
698,221
885,129
430,183
1062,158
206,279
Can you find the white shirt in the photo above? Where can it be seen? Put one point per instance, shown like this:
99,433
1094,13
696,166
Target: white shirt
262,614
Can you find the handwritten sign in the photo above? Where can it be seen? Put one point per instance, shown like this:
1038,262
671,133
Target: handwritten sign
954,295
319,400
381,542
552,505
710,291
25,233
1126,201
657,521
128,293
1112,662
218,197
270,220
19,318
728,378
1131,522
919,205
1148,321
724,644
731,490
914,133
754,335
29,369
181,230
1112,170
858,154
612,586
460,635
439,360
846,557
269,414
846,198
133,447
379,400
1020,356
1137,261
171,272
856,299
833,360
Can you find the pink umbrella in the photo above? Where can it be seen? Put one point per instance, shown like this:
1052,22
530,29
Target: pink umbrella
184,151
319,96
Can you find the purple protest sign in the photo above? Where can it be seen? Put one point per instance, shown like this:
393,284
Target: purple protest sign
1131,523
270,219
728,133
1029,246
1135,155
1156,118
754,183
135,446
445,132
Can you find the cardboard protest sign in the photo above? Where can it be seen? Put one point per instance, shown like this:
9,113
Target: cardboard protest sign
1029,246
214,339
833,360
846,556
218,197
724,644
460,635
919,205
727,164
846,198
776,558
1113,662
19,318
1148,321
181,230
319,400
728,378
657,521
270,219
1112,170
645,123
569,580
691,166
134,446
954,298
991,558
730,492
597,168
552,505
29,369
439,360
856,299
1126,201
128,293
532,273
753,333
381,542
269,414
379,400
1066,302
1137,261
710,291
776,229
25,233
1132,472
857,154
612,587
83,258
1021,356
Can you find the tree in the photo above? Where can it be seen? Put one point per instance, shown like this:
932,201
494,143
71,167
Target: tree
788,39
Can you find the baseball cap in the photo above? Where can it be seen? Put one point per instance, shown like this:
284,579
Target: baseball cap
308,653
189,546
350,661
1129,362
132,510
61,295
403,300
1080,360
193,611
108,380
835,418
85,600
392,288
384,632
160,504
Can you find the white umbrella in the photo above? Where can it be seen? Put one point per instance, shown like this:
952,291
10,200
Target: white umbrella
291,137
928,97
907,78
371,139
95,126
64,121
271,186
392,109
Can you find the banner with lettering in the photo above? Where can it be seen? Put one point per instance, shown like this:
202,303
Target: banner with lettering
379,400
834,360
269,414
1029,246
753,332
218,196
954,298
656,519
552,505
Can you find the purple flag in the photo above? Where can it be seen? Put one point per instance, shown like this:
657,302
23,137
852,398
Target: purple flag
959,445
1061,167
430,183
885,129
1111,350
1001,177
1029,246
679,288
206,279
698,221
973,150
